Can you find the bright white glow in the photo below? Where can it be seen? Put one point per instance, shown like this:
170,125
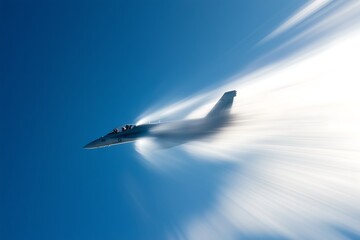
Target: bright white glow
300,124
296,137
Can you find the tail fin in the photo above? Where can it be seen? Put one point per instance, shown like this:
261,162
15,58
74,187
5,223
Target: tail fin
223,106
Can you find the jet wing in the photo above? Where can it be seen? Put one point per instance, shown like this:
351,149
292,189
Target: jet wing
223,106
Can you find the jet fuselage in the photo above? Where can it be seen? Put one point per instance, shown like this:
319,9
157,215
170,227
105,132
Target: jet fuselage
171,133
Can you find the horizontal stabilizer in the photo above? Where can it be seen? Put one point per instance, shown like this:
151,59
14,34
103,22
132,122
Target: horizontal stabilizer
223,106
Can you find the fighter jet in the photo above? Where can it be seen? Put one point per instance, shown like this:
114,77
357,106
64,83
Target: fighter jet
169,134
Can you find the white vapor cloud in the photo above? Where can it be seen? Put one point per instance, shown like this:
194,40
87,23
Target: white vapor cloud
300,125
295,138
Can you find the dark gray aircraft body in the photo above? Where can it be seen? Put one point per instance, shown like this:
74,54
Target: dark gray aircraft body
170,134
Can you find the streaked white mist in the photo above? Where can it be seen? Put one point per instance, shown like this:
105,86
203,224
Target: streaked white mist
296,139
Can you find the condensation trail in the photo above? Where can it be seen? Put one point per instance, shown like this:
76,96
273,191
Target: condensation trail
298,120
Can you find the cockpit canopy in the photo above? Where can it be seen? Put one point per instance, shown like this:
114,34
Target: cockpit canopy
127,127
123,129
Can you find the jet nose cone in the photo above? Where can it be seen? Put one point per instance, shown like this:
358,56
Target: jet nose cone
88,146
92,144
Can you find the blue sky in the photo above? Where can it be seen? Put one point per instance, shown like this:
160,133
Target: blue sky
73,70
